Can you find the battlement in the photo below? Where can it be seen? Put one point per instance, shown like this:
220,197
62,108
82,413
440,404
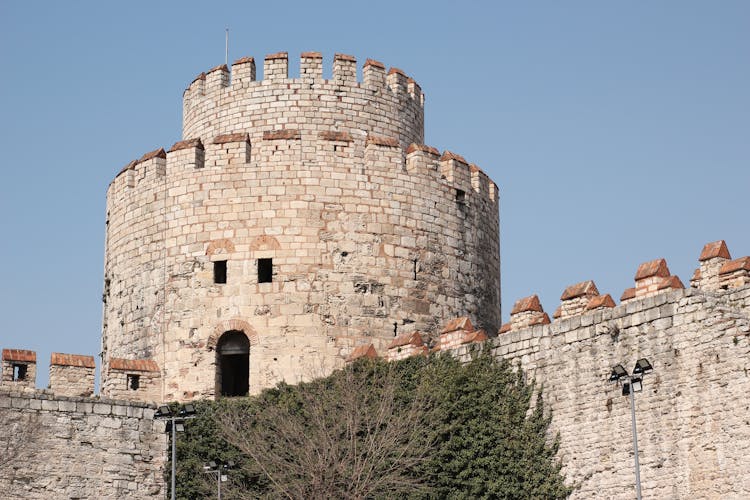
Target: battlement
73,375
146,174
276,69
716,272
232,100
582,304
70,374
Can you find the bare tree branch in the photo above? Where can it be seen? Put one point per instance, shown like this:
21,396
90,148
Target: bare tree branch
346,436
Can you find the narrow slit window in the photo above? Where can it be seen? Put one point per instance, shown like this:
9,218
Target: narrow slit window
220,271
134,382
19,372
265,270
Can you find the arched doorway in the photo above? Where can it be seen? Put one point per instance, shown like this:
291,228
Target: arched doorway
233,363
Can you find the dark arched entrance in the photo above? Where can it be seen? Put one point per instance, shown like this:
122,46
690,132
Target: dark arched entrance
233,363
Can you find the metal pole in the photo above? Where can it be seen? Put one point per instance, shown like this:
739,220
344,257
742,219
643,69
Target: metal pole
635,443
226,46
218,477
174,456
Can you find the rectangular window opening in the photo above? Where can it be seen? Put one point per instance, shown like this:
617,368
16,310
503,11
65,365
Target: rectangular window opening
19,372
220,271
134,382
265,270
460,196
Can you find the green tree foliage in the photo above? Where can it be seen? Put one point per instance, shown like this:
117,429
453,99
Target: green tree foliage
488,441
202,442
421,428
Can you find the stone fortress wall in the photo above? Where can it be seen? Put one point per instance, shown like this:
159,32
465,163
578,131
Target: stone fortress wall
370,233
379,247
64,443
693,415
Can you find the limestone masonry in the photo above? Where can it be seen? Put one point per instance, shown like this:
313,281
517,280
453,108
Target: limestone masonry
302,224
298,219
54,446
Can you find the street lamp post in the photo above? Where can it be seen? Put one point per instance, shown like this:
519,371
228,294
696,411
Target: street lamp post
220,469
177,424
630,385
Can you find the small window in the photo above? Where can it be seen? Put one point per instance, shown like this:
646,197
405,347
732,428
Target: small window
19,372
220,271
265,270
134,382
460,196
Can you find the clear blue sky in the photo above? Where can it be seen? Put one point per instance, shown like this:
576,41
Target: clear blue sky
617,132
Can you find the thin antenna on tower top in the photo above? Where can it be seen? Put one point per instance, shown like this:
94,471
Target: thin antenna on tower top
226,46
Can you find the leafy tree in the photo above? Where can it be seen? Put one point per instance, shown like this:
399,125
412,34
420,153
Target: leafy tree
489,443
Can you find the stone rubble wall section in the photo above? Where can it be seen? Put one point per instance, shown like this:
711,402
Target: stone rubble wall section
369,238
74,447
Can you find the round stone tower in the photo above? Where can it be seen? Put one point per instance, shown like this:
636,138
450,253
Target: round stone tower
298,219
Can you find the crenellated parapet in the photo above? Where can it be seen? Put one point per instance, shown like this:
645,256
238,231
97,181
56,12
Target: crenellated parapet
465,184
717,271
72,375
583,306
230,100
456,333
69,374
